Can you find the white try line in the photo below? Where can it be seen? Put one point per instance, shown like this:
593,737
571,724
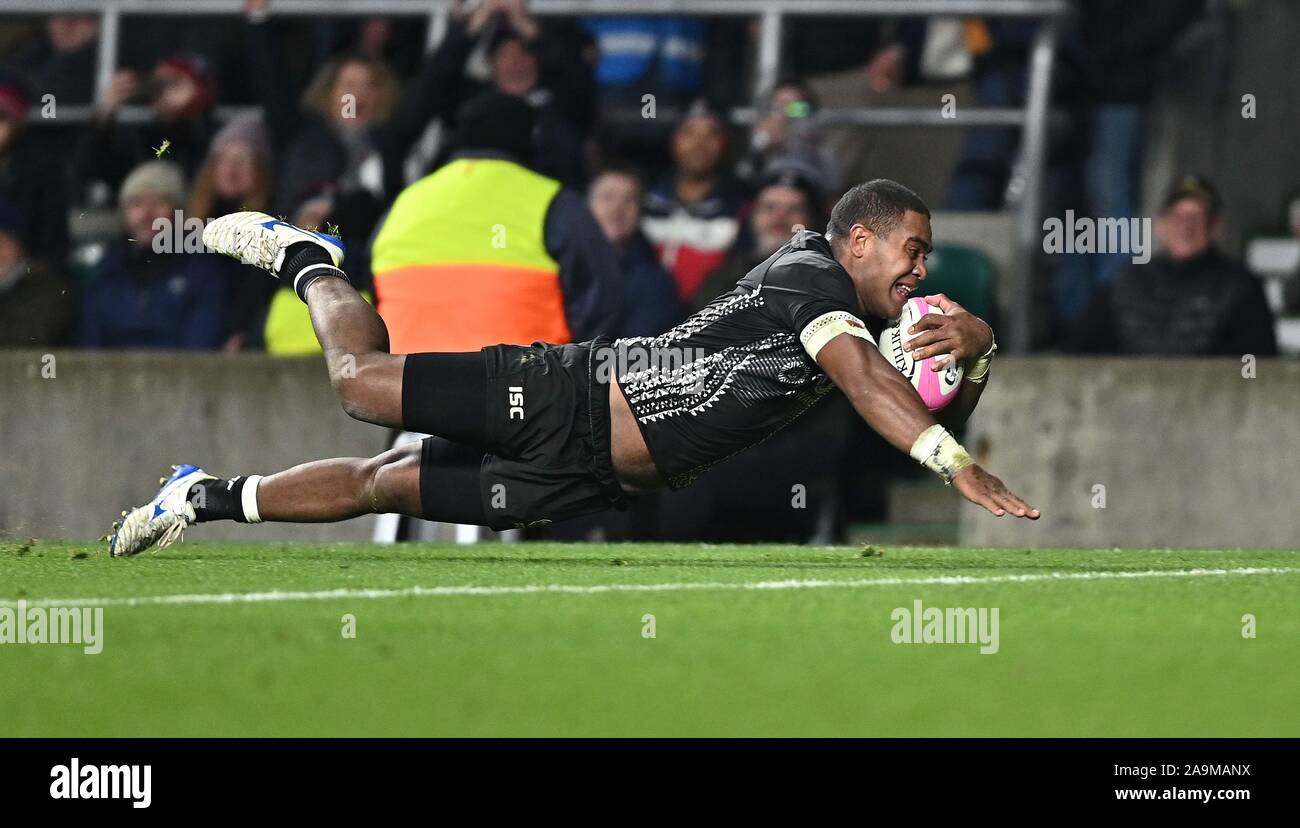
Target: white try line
278,596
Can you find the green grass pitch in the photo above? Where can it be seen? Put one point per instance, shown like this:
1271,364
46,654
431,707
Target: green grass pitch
549,639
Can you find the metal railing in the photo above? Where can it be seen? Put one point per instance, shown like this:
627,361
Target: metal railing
1032,118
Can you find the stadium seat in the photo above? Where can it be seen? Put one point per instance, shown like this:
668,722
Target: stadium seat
965,274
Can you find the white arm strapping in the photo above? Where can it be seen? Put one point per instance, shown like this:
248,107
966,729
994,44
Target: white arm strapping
979,369
939,451
826,327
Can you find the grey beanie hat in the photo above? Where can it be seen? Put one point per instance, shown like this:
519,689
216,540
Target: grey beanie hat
161,177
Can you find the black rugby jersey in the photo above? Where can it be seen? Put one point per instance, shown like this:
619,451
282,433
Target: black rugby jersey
736,372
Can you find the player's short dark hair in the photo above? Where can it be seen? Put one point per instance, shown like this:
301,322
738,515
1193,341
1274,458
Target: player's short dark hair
878,205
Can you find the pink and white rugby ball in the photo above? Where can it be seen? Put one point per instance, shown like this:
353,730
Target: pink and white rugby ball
937,388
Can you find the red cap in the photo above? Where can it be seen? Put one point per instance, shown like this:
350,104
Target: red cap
196,69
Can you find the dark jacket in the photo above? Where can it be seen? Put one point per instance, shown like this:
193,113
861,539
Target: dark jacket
68,76
1209,306
1120,47
650,304
135,298
31,179
37,309
589,275
818,44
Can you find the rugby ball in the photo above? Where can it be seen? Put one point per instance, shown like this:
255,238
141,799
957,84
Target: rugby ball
937,388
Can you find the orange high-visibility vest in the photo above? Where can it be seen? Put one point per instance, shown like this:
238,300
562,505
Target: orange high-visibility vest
461,260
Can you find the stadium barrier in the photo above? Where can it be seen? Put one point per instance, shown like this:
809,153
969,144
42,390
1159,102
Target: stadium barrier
1188,453
87,434
1142,452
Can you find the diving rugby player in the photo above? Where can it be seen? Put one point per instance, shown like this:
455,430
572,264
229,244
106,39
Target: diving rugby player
563,436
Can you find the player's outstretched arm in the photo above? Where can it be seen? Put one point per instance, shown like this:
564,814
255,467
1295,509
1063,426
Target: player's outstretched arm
889,404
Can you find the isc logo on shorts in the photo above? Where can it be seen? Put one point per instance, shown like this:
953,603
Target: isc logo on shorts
516,402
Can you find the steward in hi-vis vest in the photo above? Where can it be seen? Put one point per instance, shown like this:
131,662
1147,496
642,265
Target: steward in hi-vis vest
484,250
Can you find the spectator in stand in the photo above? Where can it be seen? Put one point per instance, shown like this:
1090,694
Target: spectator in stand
138,297
548,63
391,39
61,67
63,63
820,44
785,133
36,305
674,59
787,200
333,143
334,167
1122,49
1191,300
350,98
343,149
999,50
237,176
30,177
650,304
181,96
694,213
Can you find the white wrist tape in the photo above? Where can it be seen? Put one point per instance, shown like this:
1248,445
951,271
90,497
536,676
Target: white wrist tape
979,370
826,327
248,498
939,451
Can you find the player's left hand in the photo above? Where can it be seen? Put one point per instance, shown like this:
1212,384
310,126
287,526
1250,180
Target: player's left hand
955,334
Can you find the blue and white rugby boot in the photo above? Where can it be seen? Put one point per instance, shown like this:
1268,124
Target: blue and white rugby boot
161,521
261,240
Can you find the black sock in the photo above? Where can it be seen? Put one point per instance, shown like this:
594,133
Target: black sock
218,500
301,256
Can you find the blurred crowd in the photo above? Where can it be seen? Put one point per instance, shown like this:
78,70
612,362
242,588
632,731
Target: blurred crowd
332,119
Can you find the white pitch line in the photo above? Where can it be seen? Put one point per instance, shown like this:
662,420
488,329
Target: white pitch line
278,596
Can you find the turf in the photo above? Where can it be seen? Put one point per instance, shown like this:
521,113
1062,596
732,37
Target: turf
1146,656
